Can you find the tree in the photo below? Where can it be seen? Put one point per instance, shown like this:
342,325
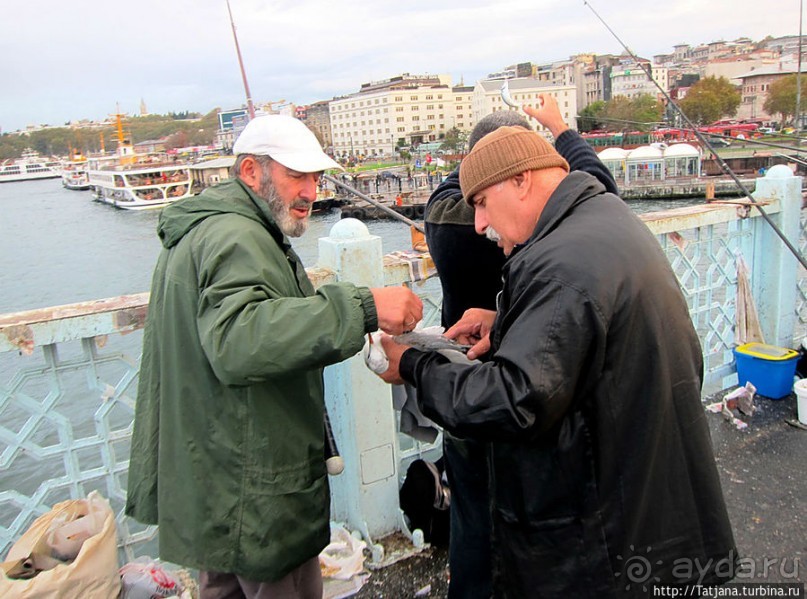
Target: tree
782,98
454,140
646,109
58,140
179,139
639,113
617,114
588,119
710,99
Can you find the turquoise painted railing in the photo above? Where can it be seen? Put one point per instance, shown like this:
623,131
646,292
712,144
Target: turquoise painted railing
68,375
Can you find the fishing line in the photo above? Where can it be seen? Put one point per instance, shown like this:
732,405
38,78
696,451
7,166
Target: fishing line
703,140
375,203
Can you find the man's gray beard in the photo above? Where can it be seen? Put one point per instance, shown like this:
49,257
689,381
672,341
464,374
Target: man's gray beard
290,226
492,234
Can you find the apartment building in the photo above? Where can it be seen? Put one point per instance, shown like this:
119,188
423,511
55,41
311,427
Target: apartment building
400,112
596,80
755,85
630,79
732,67
317,117
463,115
487,98
786,46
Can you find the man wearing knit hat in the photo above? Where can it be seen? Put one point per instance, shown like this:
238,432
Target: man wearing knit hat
590,398
228,450
469,267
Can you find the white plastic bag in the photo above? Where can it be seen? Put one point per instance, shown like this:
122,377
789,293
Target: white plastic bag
343,558
145,578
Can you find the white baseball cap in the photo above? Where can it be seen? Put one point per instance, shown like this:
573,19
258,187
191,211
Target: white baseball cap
285,140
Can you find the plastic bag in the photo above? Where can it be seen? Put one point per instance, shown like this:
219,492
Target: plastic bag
343,558
71,551
145,578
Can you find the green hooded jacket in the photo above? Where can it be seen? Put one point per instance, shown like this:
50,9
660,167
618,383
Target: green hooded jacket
227,449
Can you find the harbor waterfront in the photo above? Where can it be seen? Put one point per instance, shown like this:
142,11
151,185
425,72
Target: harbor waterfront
59,247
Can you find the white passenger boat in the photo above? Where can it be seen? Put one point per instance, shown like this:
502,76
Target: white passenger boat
137,182
74,172
30,166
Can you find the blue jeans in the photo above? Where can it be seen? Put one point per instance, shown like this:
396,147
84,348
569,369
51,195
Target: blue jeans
469,554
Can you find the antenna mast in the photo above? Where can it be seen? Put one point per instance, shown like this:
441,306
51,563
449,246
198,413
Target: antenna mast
250,107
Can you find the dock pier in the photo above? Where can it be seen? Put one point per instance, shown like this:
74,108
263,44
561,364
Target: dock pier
411,205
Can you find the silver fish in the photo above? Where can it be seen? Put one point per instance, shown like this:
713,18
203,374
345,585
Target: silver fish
429,342
506,97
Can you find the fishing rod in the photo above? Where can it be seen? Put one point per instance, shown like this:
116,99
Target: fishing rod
702,139
791,158
376,203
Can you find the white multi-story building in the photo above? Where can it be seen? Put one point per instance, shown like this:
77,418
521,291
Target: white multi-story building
568,72
630,79
596,80
525,90
402,111
463,113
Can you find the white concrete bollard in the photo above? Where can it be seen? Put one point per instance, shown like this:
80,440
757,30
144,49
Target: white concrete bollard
774,269
365,495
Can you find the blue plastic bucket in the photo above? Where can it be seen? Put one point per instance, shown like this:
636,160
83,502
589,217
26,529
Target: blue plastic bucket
768,367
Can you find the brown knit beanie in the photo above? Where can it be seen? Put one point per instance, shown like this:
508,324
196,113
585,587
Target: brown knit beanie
505,153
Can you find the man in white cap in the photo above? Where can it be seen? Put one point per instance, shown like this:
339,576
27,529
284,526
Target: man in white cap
228,447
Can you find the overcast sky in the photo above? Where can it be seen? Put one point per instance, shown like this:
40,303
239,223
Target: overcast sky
65,61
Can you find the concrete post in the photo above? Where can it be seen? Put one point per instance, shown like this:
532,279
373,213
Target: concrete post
365,495
774,269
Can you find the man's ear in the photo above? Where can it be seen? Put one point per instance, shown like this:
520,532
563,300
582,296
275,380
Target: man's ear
250,172
522,182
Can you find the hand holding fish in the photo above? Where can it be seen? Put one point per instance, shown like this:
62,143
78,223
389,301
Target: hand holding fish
394,352
474,329
398,308
548,114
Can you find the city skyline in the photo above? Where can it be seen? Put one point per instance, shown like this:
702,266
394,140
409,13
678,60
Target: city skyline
83,64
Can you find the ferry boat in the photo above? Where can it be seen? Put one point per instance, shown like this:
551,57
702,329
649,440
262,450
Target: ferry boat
74,173
136,182
30,166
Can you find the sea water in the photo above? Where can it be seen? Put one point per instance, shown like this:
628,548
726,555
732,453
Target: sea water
59,246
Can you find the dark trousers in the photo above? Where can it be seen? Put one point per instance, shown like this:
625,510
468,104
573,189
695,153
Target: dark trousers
304,582
469,554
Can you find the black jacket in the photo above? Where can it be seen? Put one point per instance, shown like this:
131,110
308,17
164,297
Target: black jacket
470,265
601,454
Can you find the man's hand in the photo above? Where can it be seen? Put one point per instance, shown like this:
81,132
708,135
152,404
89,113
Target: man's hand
548,114
474,329
398,308
394,352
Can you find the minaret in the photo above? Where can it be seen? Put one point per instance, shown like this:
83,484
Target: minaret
143,110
